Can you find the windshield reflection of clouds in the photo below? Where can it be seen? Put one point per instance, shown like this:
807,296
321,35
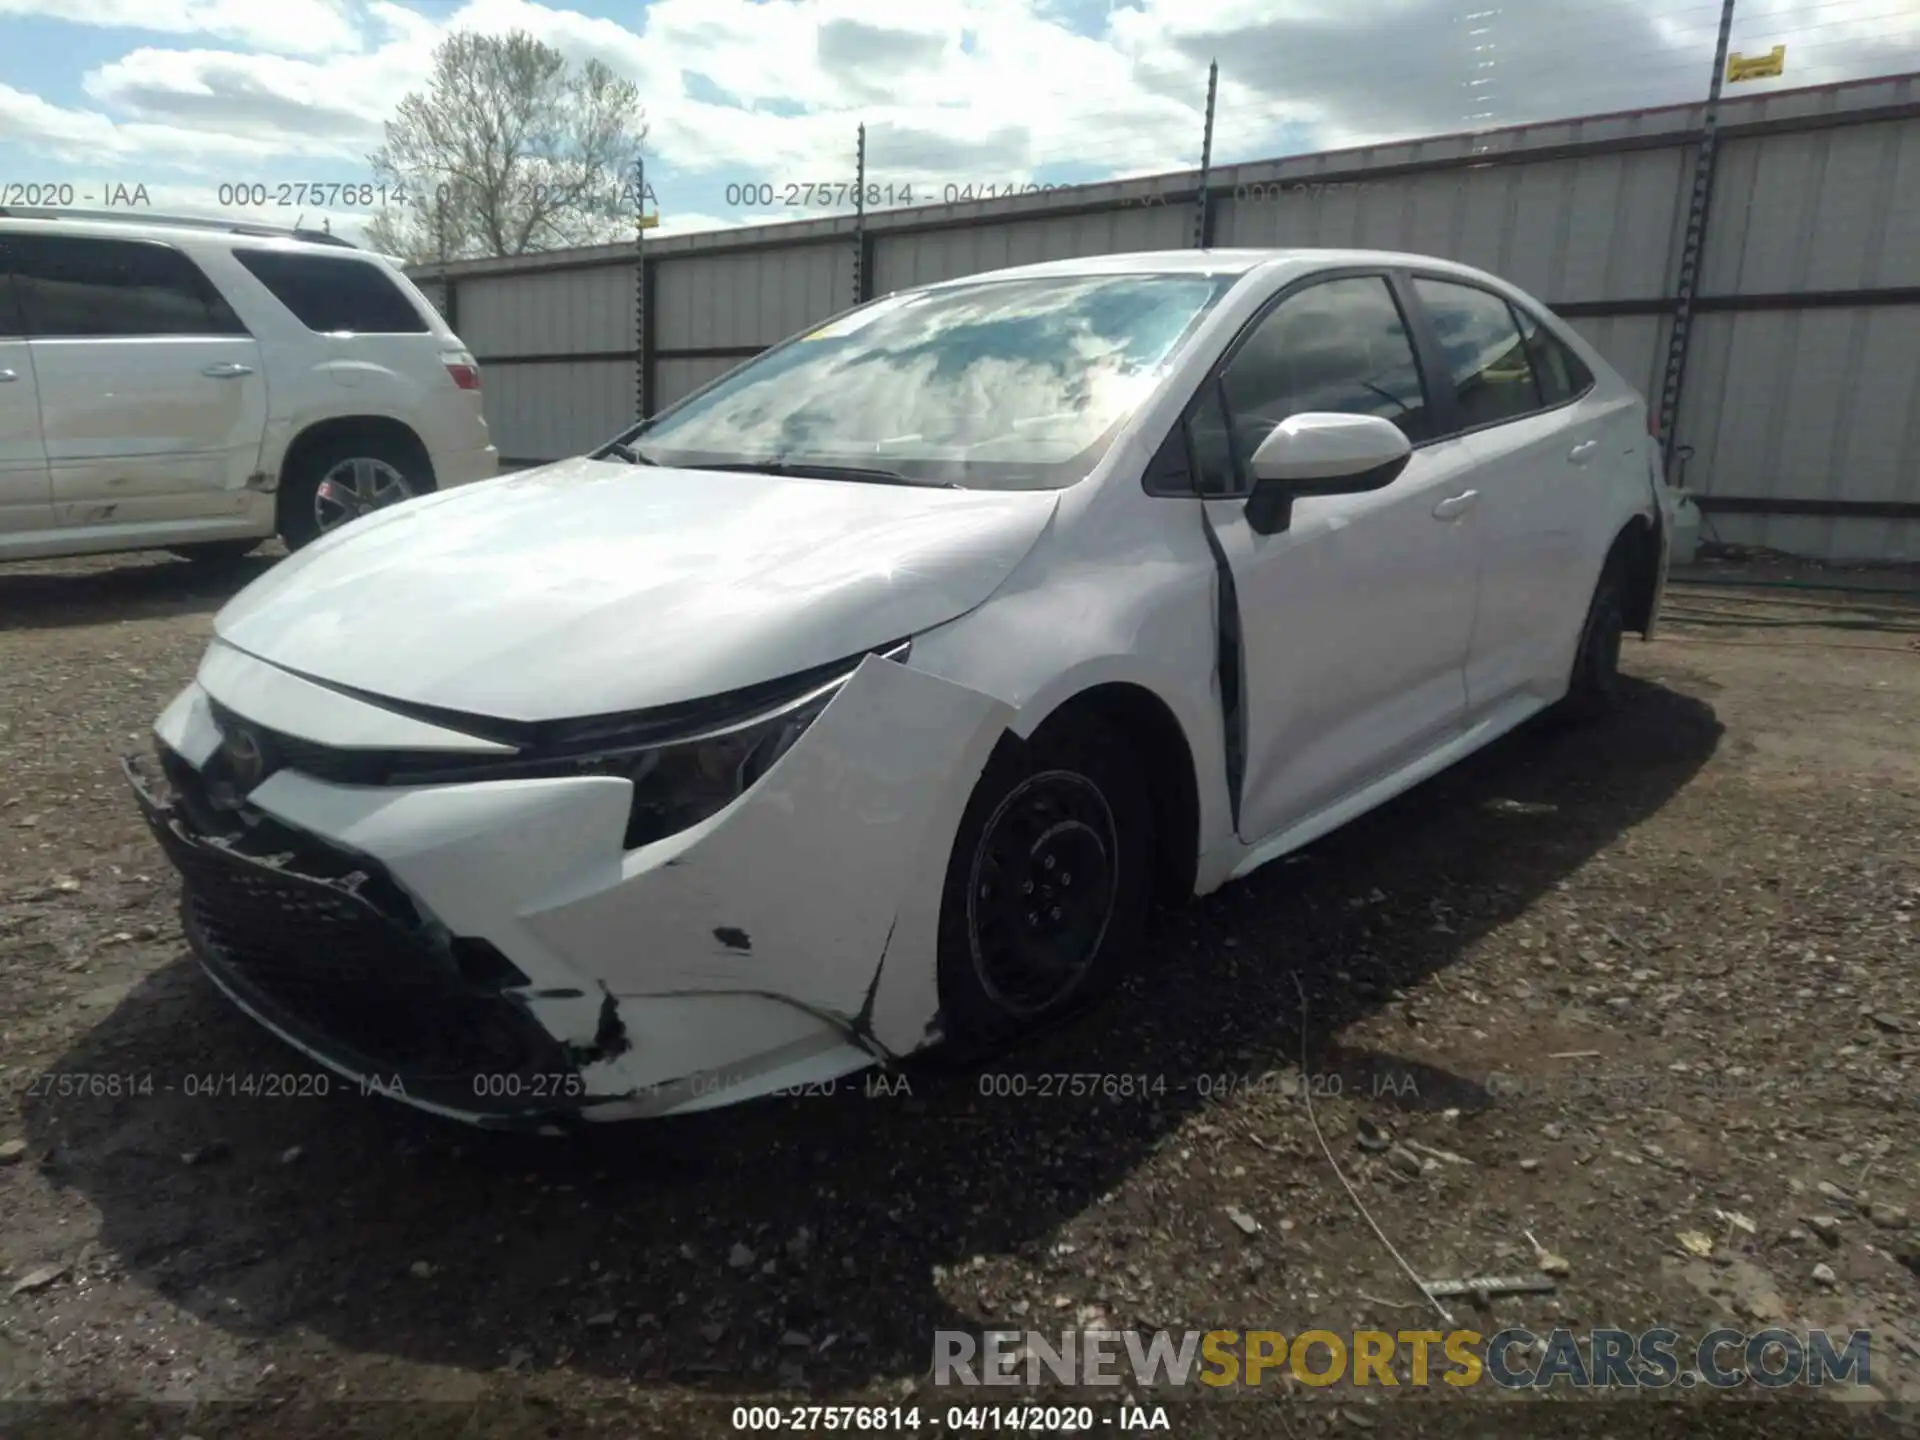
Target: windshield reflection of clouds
987,384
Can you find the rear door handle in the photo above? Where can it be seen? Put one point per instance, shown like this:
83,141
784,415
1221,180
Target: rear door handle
7,375
1583,452
226,372
1454,506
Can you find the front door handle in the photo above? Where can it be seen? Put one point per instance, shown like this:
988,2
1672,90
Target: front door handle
226,372
8,375
1583,452
1454,506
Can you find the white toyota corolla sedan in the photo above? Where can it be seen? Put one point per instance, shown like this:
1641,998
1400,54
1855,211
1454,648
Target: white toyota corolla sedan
866,698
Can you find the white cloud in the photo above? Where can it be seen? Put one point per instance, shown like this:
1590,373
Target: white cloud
87,138
300,27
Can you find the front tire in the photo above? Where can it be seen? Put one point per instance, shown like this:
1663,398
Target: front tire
343,477
1047,885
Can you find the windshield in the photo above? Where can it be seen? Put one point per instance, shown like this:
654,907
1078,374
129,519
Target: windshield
1007,385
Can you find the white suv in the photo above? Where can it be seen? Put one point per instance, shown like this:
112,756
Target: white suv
199,386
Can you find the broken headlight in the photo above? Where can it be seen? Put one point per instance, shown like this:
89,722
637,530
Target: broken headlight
678,785
686,762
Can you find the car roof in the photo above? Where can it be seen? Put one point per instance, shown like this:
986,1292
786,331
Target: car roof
1213,262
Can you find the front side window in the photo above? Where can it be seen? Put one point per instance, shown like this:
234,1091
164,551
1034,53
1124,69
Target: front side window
334,296
81,288
1487,362
1004,384
1338,346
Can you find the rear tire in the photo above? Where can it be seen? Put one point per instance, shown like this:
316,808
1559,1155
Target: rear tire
362,474
1047,885
216,554
1594,688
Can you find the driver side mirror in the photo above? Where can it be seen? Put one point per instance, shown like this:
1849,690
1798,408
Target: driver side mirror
1321,453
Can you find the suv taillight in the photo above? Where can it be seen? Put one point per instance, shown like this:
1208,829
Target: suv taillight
461,367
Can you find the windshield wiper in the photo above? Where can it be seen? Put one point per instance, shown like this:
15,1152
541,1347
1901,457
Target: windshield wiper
828,472
628,454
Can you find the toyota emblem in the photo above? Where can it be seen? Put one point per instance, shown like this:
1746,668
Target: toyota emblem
247,759
244,763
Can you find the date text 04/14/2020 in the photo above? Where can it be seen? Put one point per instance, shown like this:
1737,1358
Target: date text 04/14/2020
958,1419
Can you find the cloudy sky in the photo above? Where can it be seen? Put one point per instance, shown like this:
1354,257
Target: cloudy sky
186,96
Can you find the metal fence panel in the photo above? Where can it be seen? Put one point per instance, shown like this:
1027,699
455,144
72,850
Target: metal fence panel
549,411
749,298
1803,388
924,257
550,313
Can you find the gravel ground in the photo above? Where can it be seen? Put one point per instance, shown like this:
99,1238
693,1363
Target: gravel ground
1639,991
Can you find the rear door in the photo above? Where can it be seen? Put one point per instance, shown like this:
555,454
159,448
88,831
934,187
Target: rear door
1518,403
152,401
25,490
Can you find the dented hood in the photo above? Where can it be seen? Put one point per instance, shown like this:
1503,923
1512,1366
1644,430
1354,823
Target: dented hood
591,587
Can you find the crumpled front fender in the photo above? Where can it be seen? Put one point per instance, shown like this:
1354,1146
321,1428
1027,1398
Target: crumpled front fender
791,937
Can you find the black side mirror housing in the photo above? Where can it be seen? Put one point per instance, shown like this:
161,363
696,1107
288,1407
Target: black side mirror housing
1270,505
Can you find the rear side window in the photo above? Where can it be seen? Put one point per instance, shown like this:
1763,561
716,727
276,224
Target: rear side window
1487,361
1558,369
335,296
72,288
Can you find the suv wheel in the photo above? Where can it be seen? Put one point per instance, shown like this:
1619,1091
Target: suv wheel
340,480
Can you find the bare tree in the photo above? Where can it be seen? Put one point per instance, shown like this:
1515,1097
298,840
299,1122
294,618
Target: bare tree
506,151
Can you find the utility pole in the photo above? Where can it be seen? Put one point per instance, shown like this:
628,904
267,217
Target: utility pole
1693,243
860,278
642,349
1202,210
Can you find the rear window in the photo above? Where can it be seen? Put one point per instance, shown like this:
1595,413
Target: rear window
335,296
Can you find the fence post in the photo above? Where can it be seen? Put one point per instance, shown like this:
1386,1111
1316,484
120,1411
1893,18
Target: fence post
1202,210
642,296
862,280
1693,244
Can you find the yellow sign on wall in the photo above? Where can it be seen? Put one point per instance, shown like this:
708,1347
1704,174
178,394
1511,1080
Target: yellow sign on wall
1757,67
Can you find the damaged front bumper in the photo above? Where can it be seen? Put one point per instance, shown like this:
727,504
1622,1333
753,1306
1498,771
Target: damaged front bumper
490,952
325,951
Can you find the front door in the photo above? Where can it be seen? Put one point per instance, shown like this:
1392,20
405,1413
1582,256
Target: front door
1355,620
152,403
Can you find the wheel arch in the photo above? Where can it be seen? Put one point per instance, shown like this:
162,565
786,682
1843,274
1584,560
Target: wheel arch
1151,731
1635,553
385,430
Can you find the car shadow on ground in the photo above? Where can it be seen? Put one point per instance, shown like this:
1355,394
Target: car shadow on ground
58,595
690,1248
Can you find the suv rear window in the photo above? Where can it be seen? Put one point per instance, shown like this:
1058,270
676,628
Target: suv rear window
335,296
